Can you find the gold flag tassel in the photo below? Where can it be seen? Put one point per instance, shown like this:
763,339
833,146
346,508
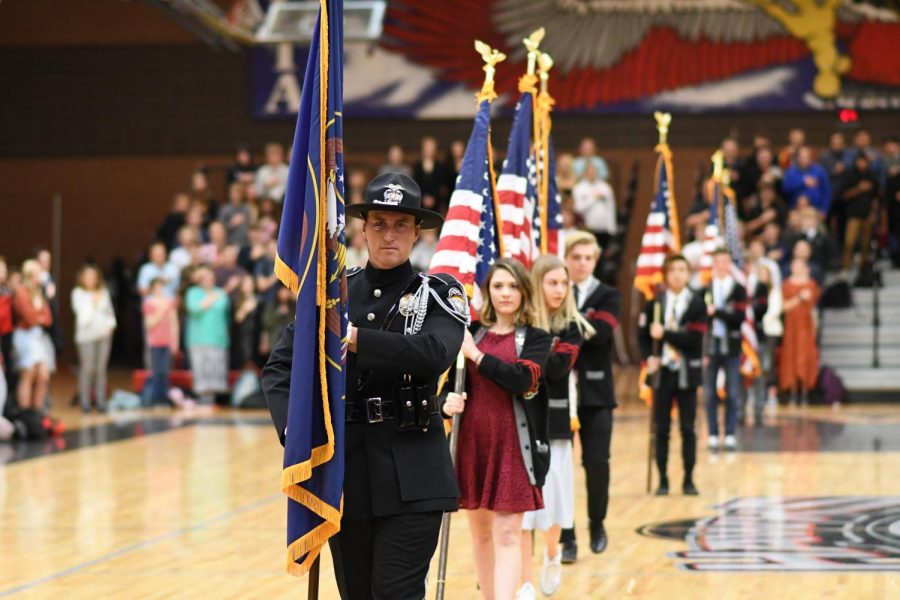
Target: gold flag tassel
543,107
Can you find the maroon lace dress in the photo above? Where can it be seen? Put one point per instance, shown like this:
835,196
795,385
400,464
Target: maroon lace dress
489,463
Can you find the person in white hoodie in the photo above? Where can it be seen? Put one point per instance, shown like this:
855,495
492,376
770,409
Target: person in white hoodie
95,321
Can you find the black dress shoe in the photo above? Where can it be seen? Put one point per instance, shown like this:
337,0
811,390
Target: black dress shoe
663,489
569,553
599,540
690,489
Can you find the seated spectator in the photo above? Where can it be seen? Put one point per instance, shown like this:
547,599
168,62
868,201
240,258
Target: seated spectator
762,208
891,155
774,243
236,216
264,271
806,178
207,335
95,322
595,202
276,316
271,178
357,252
174,220
211,253
33,353
862,144
242,170
246,323
158,266
267,220
202,193
732,163
860,199
761,171
162,338
421,254
196,219
457,151
432,175
798,370
587,155
395,162
228,273
790,153
565,173
187,250
836,159
255,250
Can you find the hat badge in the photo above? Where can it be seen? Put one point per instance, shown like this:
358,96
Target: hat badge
393,195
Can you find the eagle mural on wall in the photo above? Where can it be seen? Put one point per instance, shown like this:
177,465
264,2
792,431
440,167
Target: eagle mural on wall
640,54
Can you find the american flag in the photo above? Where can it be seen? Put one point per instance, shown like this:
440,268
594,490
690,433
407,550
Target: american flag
517,187
468,244
712,236
750,365
554,211
661,235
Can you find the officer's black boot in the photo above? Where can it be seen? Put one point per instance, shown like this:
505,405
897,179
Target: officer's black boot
663,489
569,546
599,540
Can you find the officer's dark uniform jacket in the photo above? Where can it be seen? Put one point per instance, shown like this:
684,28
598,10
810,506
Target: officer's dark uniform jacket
523,380
687,338
387,471
595,378
563,353
732,315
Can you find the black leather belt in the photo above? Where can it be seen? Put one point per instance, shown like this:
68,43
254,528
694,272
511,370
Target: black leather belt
377,410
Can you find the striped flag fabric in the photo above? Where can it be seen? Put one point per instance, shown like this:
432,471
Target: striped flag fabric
311,262
517,186
662,235
712,236
553,222
469,241
750,365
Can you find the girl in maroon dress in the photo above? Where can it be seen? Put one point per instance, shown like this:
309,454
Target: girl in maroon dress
504,450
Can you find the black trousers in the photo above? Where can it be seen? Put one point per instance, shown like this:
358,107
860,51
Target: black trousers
385,558
662,416
596,438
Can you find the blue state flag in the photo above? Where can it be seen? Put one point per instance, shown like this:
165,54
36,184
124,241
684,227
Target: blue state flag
311,262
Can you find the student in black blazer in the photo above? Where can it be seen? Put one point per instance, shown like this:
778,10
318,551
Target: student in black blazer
672,326
600,305
726,301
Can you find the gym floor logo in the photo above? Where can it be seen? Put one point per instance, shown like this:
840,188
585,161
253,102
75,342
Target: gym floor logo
832,533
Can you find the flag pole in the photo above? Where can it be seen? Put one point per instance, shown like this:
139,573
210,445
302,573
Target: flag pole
312,592
663,120
490,57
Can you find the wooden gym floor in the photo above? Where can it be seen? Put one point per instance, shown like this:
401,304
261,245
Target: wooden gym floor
159,504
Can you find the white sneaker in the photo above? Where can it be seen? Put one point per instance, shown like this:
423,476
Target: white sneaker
551,573
713,442
526,592
730,442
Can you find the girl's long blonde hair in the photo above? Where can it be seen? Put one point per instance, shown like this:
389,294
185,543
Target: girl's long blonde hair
558,320
29,268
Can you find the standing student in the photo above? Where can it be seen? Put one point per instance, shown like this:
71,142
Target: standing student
504,450
32,314
675,322
726,305
161,327
600,304
798,370
555,311
207,335
95,322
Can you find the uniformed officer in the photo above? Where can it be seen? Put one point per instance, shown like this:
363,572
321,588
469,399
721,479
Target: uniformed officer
405,329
